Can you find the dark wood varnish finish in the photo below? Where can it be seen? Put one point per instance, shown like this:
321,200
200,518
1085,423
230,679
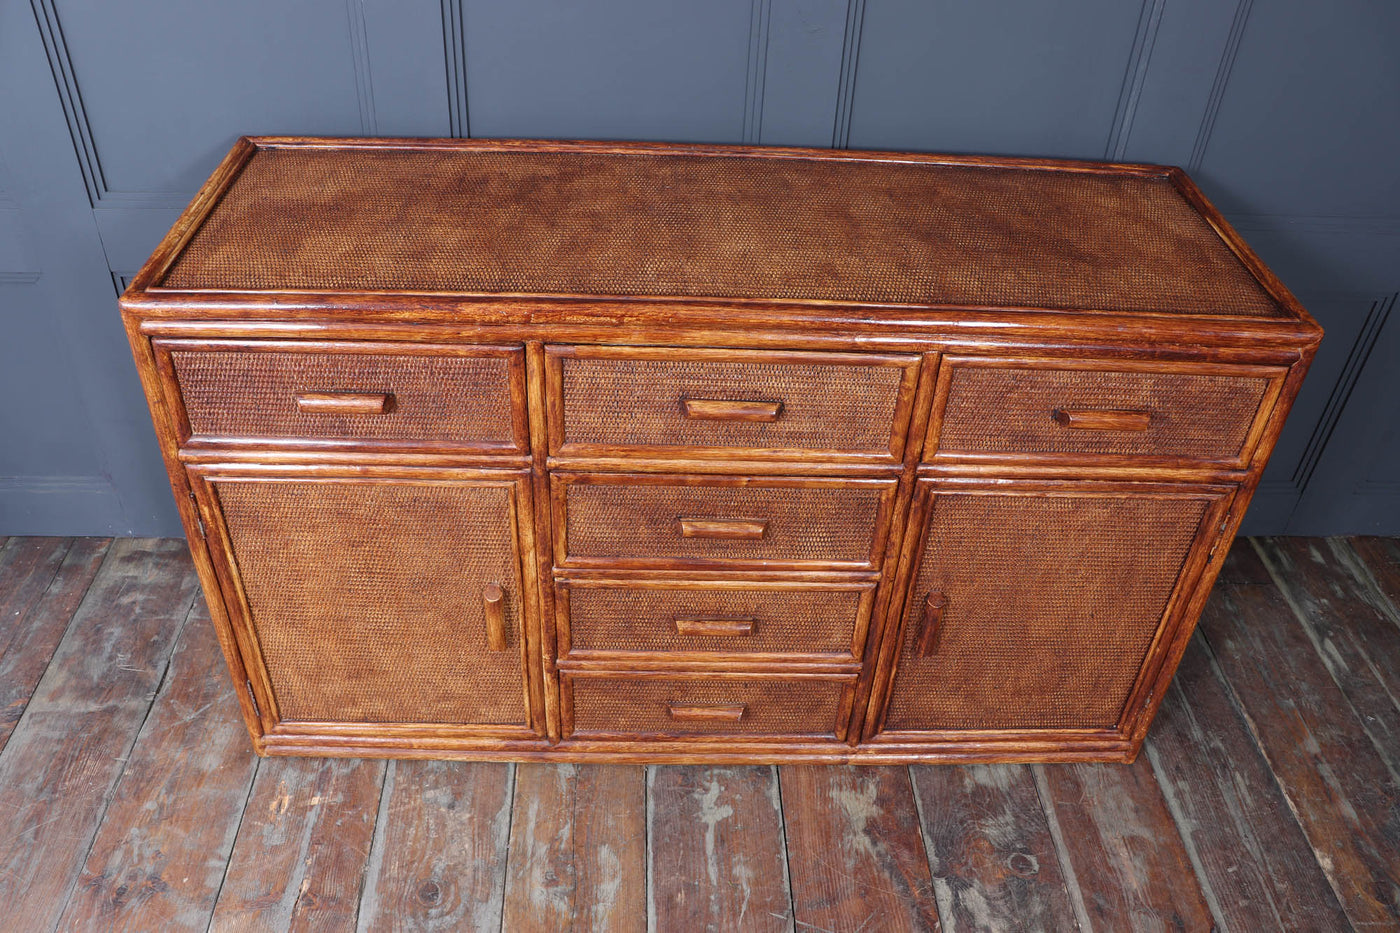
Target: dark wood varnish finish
703,453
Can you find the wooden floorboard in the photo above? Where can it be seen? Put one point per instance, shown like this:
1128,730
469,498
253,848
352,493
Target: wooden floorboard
438,860
989,844
856,855
37,610
1117,836
1344,795
303,846
1253,858
1378,561
578,852
27,567
158,858
1345,620
715,837
71,744
1267,796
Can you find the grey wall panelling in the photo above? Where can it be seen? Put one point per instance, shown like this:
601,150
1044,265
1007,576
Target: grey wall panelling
1300,154
75,455
1041,78
1284,110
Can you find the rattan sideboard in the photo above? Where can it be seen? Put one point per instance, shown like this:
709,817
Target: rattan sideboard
594,451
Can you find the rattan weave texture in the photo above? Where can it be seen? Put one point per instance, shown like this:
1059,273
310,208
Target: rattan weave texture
723,227
644,619
361,626
435,398
771,707
1052,602
638,402
1011,410
829,523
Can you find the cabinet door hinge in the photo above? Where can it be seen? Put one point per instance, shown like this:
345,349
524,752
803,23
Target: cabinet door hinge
1220,534
253,698
199,518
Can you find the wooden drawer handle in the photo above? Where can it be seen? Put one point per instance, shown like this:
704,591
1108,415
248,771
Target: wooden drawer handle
344,403
717,627
493,601
713,409
727,529
706,713
930,626
1103,419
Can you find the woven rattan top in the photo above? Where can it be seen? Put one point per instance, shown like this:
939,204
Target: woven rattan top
665,224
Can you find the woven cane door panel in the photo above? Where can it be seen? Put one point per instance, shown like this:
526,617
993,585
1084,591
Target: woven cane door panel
620,398
728,620
710,706
620,520
1050,605
367,597
449,399
1020,409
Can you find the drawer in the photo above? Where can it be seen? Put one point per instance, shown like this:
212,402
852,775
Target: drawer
1047,411
624,401
708,705
328,395
712,619
627,520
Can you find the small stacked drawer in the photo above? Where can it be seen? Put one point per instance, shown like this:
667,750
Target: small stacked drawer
610,618
733,602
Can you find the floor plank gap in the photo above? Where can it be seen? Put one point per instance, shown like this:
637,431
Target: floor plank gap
375,863
1047,804
1186,830
125,758
787,857
223,877
1340,655
1345,550
1340,787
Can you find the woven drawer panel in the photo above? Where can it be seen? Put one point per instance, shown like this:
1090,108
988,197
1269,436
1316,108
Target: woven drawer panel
810,523
637,402
641,706
728,227
644,619
436,398
1051,605
362,626
1010,410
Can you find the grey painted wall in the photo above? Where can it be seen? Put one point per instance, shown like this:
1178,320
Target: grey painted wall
1286,111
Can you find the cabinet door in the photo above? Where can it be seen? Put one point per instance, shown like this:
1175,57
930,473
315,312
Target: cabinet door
376,600
1037,606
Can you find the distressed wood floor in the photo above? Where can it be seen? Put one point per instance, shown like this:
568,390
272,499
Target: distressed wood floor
1267,797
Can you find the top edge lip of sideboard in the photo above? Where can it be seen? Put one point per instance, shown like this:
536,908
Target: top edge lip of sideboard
146,294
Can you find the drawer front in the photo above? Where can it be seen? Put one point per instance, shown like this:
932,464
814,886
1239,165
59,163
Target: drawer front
1058,411
684,706
607,401
348,395
714,619
645,521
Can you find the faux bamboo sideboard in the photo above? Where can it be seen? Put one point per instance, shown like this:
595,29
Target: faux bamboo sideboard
593,451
